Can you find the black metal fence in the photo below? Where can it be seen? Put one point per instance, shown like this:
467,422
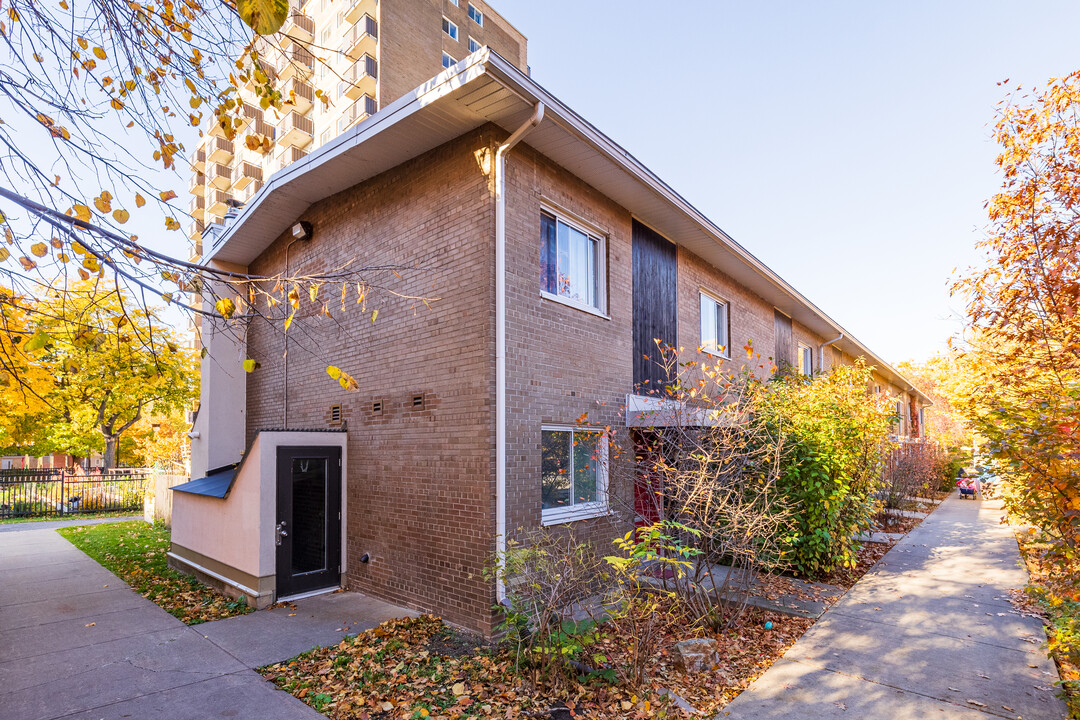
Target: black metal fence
55,493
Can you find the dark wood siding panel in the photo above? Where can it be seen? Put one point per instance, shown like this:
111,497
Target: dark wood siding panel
655,304
784,340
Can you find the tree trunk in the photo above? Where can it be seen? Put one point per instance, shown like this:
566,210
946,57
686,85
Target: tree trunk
109,459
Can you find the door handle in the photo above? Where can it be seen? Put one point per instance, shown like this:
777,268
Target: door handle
279,532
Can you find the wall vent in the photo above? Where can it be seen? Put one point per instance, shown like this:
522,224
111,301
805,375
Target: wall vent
376,407
418,402
335,414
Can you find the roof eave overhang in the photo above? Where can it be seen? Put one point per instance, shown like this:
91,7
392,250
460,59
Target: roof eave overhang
484,88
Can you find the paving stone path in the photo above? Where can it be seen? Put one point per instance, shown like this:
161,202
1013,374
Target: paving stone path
928,633
76,642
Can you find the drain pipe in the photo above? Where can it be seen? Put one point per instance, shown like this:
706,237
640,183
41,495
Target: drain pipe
301,232
500,342
821,350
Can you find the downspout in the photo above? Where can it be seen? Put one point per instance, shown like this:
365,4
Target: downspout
500,342
821,351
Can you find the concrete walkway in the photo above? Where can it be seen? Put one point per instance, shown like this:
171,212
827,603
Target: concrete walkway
76,642
928,633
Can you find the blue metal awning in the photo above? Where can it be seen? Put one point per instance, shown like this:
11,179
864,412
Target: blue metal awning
217,482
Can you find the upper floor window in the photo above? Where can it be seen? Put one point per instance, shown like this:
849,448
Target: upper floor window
475,15
573,474
473,45
453,2
447,60
714,326
449,28
806,359
571,263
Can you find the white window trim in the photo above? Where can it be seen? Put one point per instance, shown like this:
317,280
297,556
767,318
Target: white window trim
716,298
596,233
474,41
479,13
451,24
447,56
454,2
585,511
799,347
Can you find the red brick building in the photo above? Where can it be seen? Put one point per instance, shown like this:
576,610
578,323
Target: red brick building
555,258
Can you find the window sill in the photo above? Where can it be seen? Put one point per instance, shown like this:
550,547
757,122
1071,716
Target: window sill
574,304
559,516
714,354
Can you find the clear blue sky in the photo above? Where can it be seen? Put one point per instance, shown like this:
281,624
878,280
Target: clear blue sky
847,145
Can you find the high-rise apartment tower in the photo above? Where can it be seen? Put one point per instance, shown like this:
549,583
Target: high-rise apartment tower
363,55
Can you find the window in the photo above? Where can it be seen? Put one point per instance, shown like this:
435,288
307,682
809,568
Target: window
571,263
343,123
340,18
573,474
475,15
324,37
473,45
449,28
714,326
453,2
447,60
806,360
325,137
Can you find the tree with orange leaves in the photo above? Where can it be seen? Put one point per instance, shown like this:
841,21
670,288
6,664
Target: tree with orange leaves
1022,388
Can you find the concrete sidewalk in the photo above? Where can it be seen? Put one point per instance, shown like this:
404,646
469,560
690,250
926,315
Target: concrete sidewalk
76,642
928,633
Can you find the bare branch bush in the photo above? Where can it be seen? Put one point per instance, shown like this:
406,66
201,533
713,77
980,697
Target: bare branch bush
911,467
706,470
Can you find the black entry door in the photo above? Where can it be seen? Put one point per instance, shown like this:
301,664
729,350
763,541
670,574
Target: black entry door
308,532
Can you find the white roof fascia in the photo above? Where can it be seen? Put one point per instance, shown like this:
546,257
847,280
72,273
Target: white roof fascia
487,62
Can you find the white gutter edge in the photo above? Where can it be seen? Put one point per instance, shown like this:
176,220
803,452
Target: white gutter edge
821,350
500,343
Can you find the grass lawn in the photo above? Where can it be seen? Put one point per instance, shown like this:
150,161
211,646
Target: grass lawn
71,516
135,551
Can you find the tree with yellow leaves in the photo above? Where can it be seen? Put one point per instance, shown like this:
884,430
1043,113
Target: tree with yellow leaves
109,362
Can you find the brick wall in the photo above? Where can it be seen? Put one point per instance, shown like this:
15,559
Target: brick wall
420,486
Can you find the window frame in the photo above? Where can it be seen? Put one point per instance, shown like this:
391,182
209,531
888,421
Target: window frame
479,15
594,233
726,354
453,2
583,511
448,25
448,60
473,41
804,351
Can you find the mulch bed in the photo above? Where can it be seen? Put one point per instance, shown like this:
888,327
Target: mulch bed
421,668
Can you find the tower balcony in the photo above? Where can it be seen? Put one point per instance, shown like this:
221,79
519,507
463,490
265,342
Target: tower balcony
362,38
197,207
361,78
218,203
298,28
295,131
219,150
300,93
297,62
359,8
246,173
220,178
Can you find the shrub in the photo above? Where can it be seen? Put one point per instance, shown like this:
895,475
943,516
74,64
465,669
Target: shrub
705,473
832,435
551,581
911,468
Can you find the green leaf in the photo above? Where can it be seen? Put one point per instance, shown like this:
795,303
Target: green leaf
37,342
263,16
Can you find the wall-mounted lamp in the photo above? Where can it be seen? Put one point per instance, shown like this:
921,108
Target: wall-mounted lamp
301,230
